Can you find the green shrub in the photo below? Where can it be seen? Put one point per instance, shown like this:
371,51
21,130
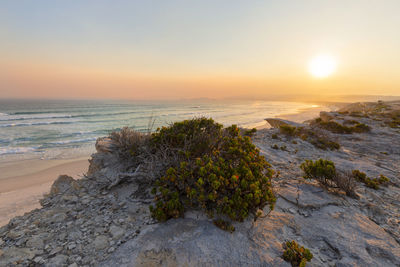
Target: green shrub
360,128
274,136
250,132
297,255
218,170
317,138
288,130
336,127
324,171
224,225
275,146
350,122
373,183
321,170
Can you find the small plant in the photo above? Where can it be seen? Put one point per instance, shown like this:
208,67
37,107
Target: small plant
373,183
324,171
283,148
224,225
350,122
360,128
250,133
274,136
294,142
317,138
288,130
338,128
275,146
321,170
297,255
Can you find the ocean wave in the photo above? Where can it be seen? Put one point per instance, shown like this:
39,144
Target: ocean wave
16,150
19,117
37,116
35,123
65,142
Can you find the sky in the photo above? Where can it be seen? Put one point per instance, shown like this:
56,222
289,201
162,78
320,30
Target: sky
190,49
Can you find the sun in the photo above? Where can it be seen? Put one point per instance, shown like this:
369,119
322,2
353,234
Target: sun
322,66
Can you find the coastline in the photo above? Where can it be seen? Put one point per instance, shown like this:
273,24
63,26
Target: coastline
23,183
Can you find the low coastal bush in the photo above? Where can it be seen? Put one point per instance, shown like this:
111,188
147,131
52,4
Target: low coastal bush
216,169
373,183
318,139
297,255
336,127
321,170
288,129
129,141
324,171
315,137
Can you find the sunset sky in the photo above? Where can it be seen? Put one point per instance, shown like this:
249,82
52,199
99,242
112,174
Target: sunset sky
183,49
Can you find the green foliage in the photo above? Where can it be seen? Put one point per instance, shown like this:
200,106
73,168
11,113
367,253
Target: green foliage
317,138
288,130
224,225
275,146
297,255
350,122
373,183
324,171
250,132
360,128
274,136
321,169
218,170
336,127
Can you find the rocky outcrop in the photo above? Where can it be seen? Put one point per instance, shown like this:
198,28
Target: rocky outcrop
276,123
87,222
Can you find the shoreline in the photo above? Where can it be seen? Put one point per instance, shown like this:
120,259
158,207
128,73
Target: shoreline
21,193
23,182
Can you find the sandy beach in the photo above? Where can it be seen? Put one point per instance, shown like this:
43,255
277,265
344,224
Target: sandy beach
23,183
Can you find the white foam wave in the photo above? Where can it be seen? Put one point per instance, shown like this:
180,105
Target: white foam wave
63,142
16,150
35,123
7,117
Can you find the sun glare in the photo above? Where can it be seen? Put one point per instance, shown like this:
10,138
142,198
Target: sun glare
322,66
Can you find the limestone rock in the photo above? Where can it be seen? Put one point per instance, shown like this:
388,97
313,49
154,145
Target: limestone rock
276,123
35,242
101,242
59,260
63,184
116,232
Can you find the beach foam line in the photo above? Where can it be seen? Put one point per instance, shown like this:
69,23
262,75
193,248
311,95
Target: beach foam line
35,123
19,117
16,150
64,142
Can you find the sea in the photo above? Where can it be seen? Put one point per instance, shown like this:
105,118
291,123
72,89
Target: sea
56,129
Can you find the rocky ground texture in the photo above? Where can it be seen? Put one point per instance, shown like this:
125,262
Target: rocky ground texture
104,220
